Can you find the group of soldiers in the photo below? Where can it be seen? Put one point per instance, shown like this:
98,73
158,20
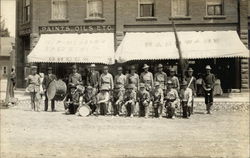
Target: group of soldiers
123,94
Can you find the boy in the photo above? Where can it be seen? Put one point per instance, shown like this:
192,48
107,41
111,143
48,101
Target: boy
144,100
158,97
186,97
118,99
89,98
130,100
72,100
103,100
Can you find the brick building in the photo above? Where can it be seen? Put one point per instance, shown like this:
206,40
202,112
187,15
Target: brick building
37,17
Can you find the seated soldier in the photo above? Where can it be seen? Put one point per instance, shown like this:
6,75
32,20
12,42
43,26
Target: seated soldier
130,100
158,97
102,100
71,101
89,99
118,99
186,97
144,100
172,100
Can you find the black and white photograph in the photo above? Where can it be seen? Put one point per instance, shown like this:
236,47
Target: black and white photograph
124,79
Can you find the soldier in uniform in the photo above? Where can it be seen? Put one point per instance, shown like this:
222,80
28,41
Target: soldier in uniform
75,78
158,98
103,99
174,79
93,77
89,98
33,82
191,81
172,100
186,97
46,81
120,79
130,100
133,78
118,99
72,100
144,100
161,77
208,85
106,79
146,77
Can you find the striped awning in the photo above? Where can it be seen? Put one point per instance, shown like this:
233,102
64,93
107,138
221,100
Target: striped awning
194,45
74,48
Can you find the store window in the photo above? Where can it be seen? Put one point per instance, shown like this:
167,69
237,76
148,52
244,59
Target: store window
4,70
58,9
95,9
179,8
26,10
214,7
146,8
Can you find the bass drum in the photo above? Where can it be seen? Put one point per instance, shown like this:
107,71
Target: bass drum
84,110
56,90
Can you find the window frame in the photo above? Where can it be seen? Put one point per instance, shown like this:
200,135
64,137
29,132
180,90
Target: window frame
57,19
187,9
215,4
139,9
87,11
26,11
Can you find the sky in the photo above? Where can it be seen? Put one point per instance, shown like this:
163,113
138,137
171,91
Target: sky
8,13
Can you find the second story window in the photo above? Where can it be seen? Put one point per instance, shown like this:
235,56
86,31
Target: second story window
58,9
94,9
179,8
214,7
26,10
146,8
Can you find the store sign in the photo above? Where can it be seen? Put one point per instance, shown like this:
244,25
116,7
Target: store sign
76,29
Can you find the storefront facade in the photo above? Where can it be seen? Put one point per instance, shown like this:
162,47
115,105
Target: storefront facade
121,17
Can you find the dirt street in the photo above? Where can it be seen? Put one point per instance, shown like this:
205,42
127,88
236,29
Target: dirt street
45,134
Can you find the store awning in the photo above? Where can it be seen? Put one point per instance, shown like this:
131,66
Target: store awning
74,48
194,45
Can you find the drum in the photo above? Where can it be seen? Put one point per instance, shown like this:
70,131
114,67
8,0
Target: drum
56,90
84,110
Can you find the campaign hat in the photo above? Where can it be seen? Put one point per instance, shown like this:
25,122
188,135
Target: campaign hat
105,67
92,65
160,66
33,67
190,69
119,68
208,67
145,66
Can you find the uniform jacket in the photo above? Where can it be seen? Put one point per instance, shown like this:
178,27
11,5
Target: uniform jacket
75,78
33,82
158,95
208,79
148,79
161,77
176,83
73,98
143,96
107,79
120,80
93,79
130,96
192,84
87,97
103,97
133,79
186,95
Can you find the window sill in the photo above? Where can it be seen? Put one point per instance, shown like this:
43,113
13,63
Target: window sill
180,18
215,17
146,18
58,20
94,19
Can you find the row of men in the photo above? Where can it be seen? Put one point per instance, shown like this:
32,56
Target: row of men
96,81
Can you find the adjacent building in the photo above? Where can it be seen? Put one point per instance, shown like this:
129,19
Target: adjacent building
40,17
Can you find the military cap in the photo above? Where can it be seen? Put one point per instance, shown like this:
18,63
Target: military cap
208,67
190,69
33,67
142,85
157,84
119,68
160,66
145,66
105,68
92,65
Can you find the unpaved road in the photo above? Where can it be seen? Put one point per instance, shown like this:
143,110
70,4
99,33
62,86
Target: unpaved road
45,134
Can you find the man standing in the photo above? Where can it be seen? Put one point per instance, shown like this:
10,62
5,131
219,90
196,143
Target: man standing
93,78
161,77
120,79
75,78
208,85
106,79
191,81
46,81
133,78
174,79
146,77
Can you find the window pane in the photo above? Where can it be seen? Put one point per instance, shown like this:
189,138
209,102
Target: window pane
59,9
95,8
218,10
146,10
210,10
179,8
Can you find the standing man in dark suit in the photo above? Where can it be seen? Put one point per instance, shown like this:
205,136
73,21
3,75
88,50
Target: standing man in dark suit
46,81
93,78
